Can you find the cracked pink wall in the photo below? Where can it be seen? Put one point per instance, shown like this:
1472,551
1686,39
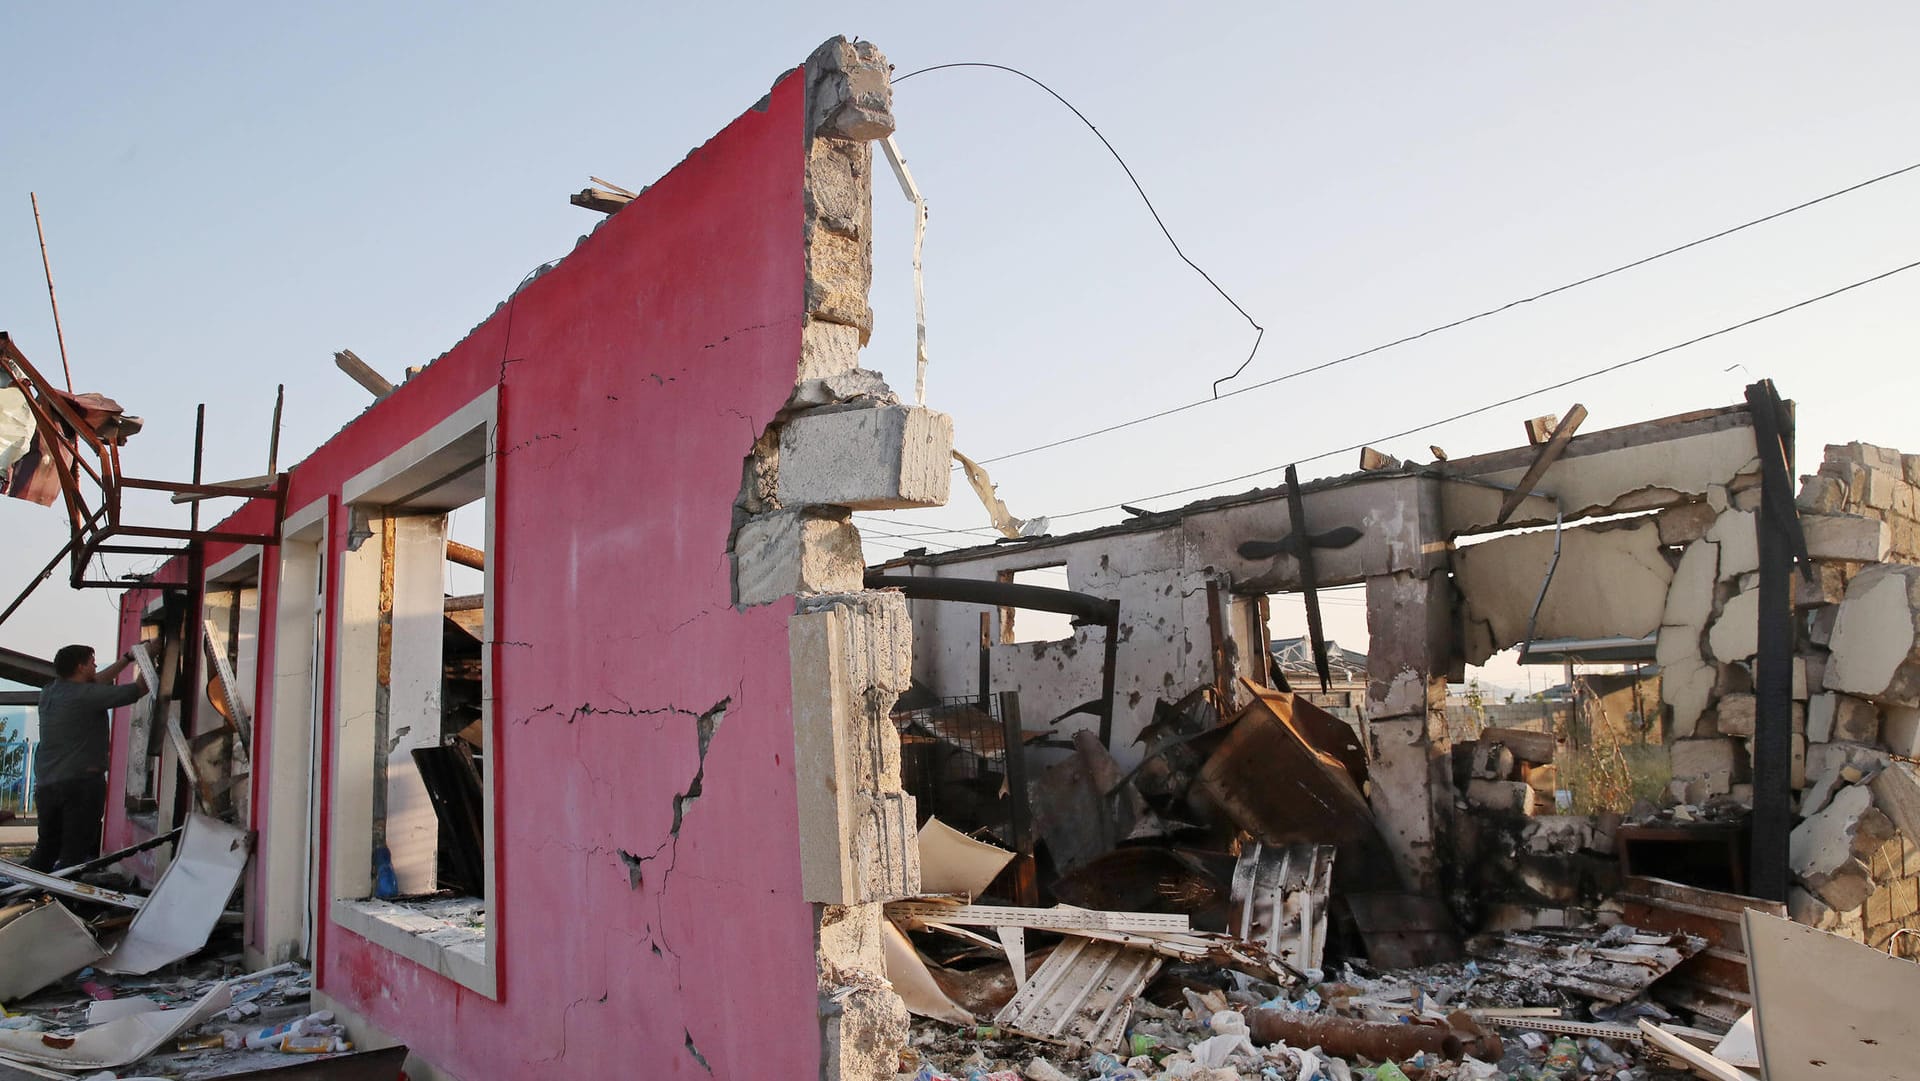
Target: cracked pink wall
633,380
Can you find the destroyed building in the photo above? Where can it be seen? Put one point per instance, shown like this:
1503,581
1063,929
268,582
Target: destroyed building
681,781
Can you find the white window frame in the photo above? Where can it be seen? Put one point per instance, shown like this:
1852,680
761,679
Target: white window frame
445,448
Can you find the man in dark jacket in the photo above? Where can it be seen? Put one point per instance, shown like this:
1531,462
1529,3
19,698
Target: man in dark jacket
70,770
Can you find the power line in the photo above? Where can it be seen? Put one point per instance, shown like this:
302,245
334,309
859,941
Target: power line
1562,384
1490,406
1508,306
1259,331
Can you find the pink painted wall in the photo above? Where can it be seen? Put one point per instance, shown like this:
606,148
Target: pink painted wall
633,379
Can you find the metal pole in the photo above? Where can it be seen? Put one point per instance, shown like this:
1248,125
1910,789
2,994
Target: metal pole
273,444
1773,667
58,335
199,447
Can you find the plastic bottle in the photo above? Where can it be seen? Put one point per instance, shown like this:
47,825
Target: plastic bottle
385,884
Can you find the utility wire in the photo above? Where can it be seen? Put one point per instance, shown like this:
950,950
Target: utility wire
1490,406
1508,306
1259,331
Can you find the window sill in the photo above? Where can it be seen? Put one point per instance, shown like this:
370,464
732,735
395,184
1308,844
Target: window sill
459,955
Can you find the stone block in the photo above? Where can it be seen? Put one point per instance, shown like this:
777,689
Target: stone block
1685,523
851,656
1847,537
1896,791
1829,763
1807,909
1492,761
1710,761
1821,494
1739,543
1900,730
1910,465
1500,797
828,350
1735,715
1820,712
1820,627
1558,833
1876,636
1735,635
875,458
1881,485
787,552
1855,720
1829,585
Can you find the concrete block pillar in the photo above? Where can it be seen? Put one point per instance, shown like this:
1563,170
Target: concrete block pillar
1412,650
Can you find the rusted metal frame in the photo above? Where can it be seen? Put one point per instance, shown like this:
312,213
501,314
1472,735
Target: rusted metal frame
1309,580
29,374
224,536
1217,641
50,435
46,572
1555,446
179,488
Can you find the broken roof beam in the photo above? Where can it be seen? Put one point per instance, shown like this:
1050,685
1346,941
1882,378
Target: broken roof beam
362,373
600,199
1556,445
1657,463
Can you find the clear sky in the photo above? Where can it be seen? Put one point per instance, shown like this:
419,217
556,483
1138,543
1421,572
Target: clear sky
232,192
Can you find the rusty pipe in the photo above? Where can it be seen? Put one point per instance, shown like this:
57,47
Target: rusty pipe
1346,1038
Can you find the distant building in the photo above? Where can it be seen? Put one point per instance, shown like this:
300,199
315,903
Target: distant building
1293,661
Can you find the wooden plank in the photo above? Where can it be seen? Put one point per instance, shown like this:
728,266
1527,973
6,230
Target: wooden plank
1549,454
1703,1062
1062,918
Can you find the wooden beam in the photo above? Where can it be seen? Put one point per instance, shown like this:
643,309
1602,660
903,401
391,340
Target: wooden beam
606,202
1549,454
362,373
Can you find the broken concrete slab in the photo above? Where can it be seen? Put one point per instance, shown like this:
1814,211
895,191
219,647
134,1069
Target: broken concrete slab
1685,523
1825,849
1875,643
1739,543
866,458
1611,580
1690,593
1846,537
1735,635
1826,762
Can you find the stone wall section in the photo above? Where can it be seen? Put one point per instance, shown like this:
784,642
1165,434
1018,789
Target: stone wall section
843,442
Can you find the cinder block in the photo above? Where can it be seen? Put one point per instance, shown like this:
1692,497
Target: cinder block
874,458
787,552
1501,797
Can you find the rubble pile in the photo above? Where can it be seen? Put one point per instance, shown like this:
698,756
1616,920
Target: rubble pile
100,980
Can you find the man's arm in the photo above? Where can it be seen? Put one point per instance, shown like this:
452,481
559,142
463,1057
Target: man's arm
111,673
